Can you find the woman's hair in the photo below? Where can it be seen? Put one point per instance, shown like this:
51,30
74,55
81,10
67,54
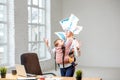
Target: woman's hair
70,53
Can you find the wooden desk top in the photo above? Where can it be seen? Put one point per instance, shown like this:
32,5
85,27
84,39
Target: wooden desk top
14,77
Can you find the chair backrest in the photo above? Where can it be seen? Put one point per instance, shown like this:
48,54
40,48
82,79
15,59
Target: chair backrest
31,63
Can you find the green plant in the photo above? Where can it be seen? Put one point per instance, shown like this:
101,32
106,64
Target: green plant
3,70
79,73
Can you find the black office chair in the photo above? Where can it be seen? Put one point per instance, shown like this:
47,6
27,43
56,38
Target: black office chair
32,65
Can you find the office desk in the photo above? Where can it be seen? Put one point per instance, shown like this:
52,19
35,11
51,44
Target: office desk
73,78
14,77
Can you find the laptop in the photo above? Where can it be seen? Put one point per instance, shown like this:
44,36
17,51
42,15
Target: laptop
21,71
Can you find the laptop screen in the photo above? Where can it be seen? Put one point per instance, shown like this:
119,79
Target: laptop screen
20,70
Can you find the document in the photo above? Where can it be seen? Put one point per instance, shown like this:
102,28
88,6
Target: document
27,78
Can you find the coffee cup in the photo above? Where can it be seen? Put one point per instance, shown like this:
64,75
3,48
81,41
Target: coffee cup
14,72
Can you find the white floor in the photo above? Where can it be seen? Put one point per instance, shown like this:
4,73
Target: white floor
104,73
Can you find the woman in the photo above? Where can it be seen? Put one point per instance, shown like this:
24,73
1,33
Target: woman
69,69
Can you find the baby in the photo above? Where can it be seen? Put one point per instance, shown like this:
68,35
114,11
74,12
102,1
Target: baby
59,50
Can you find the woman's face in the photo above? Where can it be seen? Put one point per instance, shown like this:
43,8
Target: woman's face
68,33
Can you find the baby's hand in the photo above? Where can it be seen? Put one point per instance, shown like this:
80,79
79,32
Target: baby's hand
46,42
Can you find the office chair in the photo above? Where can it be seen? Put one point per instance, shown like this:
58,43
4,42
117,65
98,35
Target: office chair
32,65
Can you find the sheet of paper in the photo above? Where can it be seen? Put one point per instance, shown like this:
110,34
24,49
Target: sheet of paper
53,78
27,78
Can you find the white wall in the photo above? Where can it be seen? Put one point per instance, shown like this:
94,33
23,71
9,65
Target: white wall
21,28
100,36
56,14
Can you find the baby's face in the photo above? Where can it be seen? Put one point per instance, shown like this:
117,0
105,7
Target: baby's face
61,42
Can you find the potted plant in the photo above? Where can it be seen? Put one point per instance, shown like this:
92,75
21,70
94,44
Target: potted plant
79,75
3,71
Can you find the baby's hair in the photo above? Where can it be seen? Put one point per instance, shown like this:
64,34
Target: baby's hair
56,43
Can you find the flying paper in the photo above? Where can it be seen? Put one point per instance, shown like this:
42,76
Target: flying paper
61,35
71,24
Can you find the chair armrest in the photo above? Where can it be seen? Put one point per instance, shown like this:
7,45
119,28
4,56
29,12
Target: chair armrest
49,73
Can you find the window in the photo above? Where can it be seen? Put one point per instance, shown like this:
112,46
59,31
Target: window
6,28
38,26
